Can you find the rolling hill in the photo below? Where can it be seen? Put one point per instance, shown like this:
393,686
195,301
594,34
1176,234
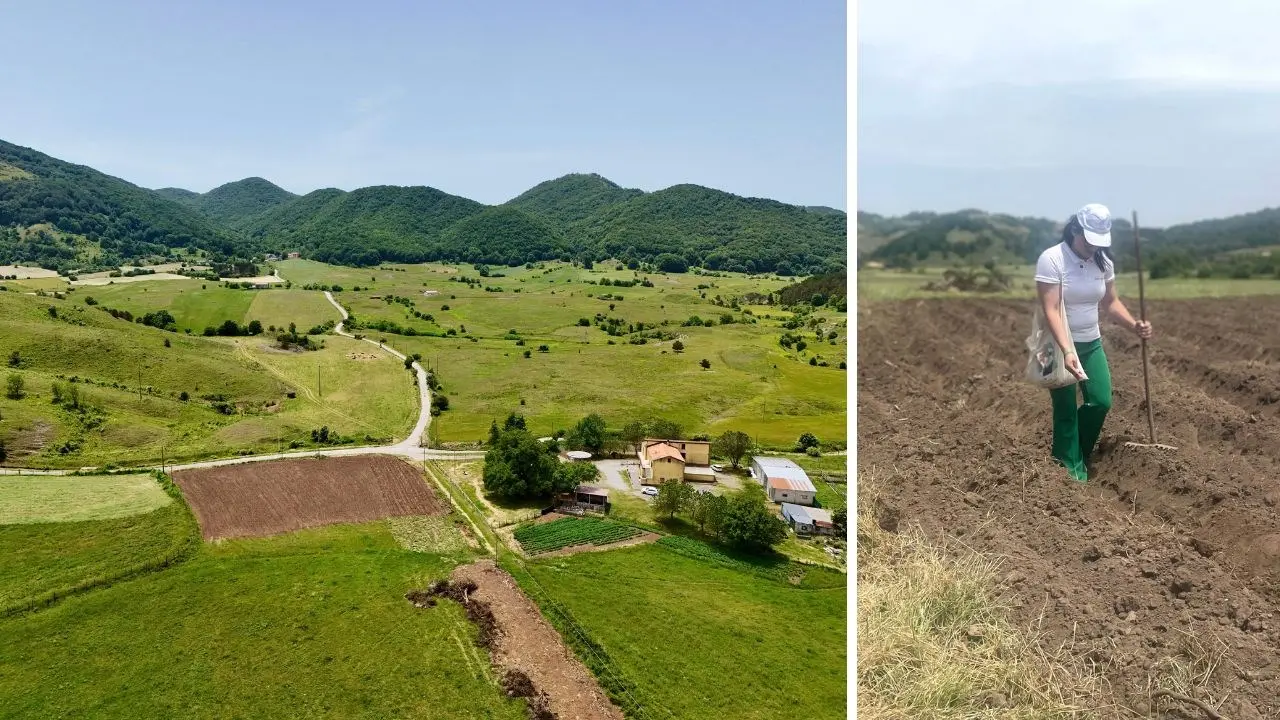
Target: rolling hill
719,230
235,203
1240,246
88,219
365,226
571,198
71,217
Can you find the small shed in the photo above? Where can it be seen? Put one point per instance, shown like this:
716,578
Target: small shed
807,520
591,497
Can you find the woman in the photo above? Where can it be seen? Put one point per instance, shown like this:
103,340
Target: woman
1081,270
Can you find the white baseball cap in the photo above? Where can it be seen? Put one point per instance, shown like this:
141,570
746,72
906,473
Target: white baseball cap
1095,221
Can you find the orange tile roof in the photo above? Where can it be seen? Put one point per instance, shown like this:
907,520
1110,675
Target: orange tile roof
663,450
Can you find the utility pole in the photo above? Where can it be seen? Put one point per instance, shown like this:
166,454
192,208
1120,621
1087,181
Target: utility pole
318,391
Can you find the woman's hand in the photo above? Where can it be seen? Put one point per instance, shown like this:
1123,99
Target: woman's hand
1143,329
1073,364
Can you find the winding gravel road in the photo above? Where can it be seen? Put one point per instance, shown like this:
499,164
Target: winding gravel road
412,447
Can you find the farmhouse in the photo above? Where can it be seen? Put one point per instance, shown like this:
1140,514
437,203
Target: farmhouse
662,460
783,480
807,520
294,256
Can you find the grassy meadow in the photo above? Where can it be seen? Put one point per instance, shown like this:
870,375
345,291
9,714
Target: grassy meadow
50,499
752,384
750,646
236,390
197,304
311,623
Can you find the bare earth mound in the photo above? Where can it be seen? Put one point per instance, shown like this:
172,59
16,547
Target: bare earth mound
526,642
1163,569
266,498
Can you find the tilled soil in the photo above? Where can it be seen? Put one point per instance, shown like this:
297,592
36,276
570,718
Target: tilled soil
270,497
527,643
1164,559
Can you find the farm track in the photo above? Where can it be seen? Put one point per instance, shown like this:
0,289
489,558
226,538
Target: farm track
1162,557
411,447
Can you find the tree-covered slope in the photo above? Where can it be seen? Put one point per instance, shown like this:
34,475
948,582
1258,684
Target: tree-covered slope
236,202
502,236
365,226
572,197
719,230
125,220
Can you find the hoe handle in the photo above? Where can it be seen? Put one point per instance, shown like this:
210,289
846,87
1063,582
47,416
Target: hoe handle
1142,314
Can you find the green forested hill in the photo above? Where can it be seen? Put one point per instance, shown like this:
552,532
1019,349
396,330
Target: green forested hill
68,216
503,236
236,204
571,198
717,229
88,210
365,226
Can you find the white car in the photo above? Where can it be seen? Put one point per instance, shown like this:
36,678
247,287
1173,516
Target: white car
718,468
649,490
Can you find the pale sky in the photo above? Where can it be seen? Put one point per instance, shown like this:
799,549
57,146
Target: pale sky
1169,108
480,99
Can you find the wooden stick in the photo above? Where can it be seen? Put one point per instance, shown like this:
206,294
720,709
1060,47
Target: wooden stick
1142,310
1213,714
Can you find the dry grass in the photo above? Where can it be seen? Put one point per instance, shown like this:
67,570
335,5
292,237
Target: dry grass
934,642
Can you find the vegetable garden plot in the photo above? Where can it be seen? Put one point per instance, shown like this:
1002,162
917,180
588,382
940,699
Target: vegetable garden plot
541,538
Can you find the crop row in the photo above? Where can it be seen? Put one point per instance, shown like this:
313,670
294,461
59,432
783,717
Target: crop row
565,532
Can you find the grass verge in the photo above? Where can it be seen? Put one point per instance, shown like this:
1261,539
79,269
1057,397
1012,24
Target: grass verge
933,640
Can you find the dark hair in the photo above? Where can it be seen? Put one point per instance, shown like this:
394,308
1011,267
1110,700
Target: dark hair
1101,257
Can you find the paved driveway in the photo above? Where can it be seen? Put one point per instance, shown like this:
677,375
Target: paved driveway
614,473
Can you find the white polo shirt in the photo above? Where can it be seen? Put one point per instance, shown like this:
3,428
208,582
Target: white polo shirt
1083,286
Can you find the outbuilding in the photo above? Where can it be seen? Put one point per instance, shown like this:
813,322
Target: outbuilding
808,520
783,480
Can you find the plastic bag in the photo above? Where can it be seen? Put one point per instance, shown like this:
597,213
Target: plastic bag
1046,363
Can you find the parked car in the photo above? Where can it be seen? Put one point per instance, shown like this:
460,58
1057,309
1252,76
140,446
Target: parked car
649,490
718,468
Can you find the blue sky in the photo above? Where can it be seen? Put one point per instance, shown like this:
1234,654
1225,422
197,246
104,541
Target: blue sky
1167,107
482,99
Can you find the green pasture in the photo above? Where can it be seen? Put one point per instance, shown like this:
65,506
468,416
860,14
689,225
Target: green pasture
752,384
53,498
310,624
132,385
794,635
197,304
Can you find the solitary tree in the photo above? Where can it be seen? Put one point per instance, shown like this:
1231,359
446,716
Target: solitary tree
706,364
733,444
13,386
677,346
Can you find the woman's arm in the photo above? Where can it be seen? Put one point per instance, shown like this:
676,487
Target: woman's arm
1114,307
1049,298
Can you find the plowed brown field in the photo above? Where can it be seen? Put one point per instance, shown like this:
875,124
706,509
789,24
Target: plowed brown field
1164,559
265,498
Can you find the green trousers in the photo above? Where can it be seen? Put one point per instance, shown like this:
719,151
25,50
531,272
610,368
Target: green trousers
1076,427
